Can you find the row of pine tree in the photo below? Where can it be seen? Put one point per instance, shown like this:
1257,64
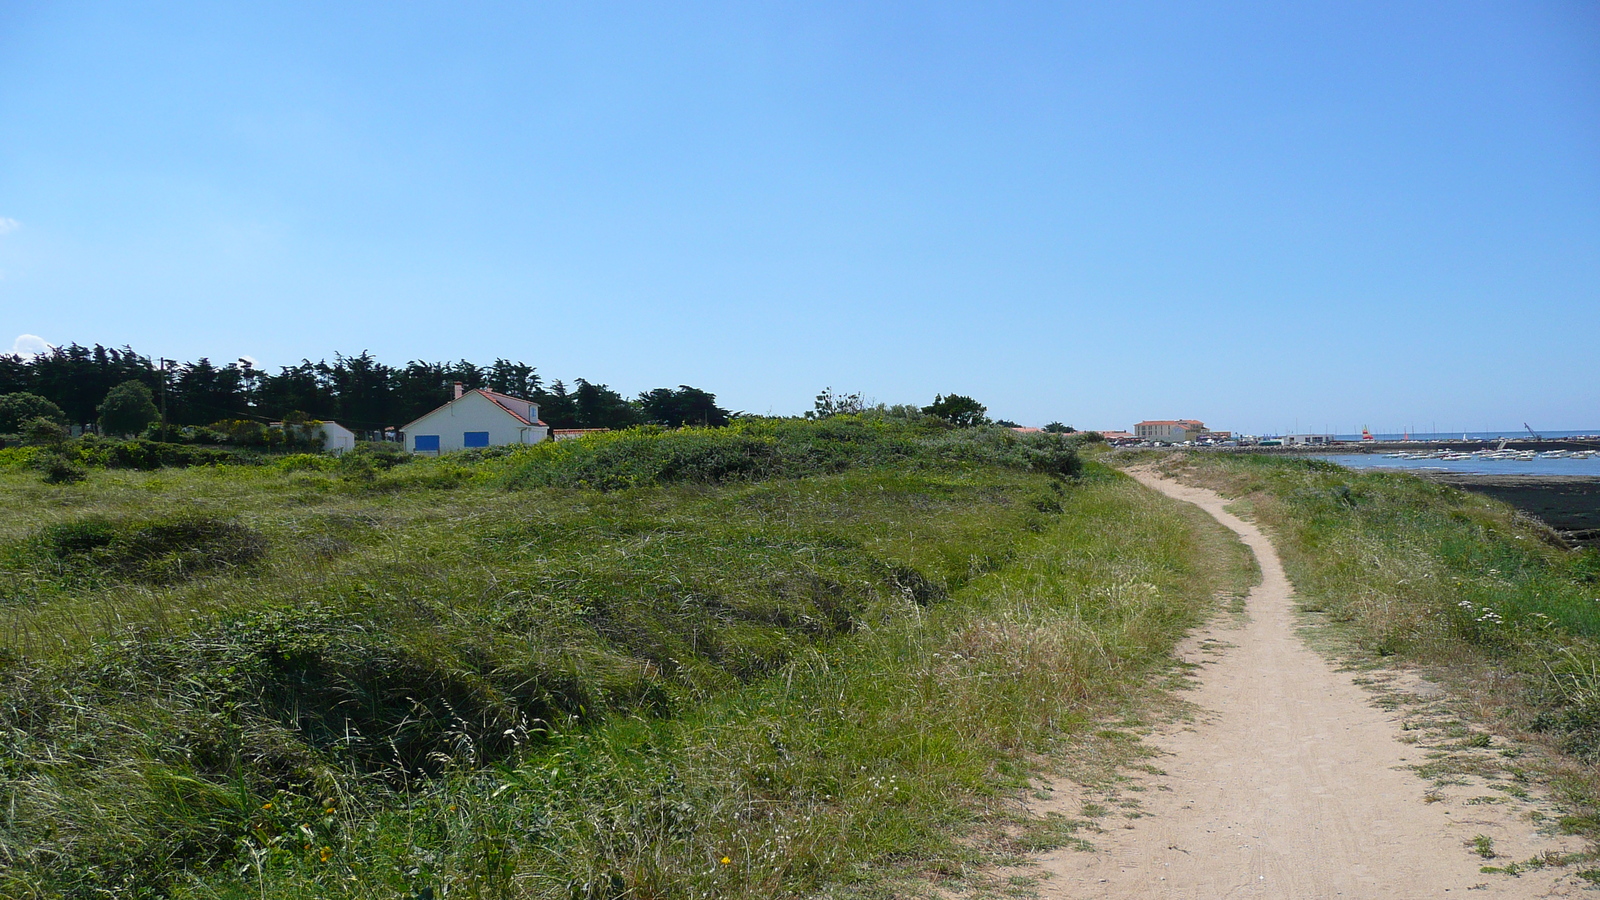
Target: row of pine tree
357,391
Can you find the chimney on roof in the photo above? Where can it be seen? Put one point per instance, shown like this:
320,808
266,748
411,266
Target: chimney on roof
459,390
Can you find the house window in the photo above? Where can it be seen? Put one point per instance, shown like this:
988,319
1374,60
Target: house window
475,439
426,443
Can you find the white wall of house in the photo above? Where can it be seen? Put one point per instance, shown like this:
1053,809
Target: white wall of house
524,408
336,438
477,415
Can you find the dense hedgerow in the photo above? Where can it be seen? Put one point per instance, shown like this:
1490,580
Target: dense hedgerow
91,451
149,455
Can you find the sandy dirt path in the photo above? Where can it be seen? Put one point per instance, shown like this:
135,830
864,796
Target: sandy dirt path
1290,783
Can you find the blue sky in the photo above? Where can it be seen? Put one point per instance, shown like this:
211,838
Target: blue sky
1330,214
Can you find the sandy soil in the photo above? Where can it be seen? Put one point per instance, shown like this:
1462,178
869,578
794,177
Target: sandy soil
1290,781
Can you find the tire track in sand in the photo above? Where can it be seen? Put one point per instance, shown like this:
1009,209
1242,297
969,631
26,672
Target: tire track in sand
1291,783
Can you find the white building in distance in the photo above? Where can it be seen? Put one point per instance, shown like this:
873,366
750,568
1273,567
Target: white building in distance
333,437
336,438
478,418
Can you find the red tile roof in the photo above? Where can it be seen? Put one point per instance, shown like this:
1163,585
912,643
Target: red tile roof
495,397
500,399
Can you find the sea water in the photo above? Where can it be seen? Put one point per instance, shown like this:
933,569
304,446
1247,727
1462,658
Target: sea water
1475,466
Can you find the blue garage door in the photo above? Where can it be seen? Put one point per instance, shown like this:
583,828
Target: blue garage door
426,442
475,439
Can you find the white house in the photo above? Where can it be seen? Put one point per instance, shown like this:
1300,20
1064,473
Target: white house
336,438
477,418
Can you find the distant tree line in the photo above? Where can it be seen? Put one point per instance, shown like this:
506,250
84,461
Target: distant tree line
357,391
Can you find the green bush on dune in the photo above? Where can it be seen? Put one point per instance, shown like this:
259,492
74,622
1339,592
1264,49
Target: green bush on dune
809,649
755,449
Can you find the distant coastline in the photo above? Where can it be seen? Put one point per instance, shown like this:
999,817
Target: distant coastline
1436,436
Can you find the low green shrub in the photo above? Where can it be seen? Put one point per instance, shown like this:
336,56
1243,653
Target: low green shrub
58,469
148,455
385,455
18,457
305,462
145,455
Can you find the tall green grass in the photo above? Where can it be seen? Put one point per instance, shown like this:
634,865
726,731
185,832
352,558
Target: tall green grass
754,449
450,678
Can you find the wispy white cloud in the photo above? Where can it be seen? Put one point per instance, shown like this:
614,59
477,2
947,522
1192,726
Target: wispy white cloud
8,225
29,345
254,363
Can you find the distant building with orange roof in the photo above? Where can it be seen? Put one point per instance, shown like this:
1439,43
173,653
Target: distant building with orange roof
1174,431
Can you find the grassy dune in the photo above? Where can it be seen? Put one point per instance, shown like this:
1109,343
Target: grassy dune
484,676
